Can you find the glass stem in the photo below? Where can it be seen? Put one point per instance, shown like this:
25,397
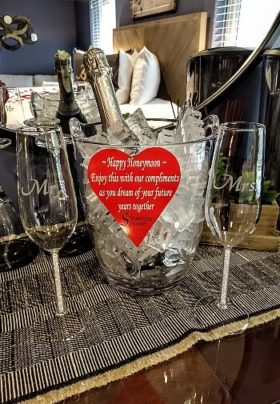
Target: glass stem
224,287
58,287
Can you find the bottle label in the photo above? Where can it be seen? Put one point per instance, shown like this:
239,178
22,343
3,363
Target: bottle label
135,189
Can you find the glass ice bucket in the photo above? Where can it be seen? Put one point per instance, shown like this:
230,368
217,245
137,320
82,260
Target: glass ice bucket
144,207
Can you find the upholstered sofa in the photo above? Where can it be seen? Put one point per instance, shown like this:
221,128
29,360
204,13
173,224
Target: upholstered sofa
21,80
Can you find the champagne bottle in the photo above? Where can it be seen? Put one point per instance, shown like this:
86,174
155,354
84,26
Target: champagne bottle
99,75
68,107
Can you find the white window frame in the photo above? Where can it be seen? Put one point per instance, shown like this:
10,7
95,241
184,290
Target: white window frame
102,23
243,22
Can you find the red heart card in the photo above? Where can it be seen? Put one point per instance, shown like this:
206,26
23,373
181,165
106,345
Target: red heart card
134,189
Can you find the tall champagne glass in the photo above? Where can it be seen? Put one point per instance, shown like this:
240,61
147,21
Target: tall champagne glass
15,251
233,197
47,201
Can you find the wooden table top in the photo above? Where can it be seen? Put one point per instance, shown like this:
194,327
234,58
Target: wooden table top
240,369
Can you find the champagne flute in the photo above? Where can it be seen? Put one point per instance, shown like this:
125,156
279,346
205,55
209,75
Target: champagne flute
233,197
14,251
47,201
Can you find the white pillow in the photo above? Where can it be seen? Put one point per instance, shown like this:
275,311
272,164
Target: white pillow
145,79
126,63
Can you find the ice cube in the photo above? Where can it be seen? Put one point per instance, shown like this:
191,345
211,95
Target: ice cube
175,210
111,257
187,240
119,133
96,212
116,242
140,127
44,105
160,234
190,125
172,258
87,103
146,253
166,136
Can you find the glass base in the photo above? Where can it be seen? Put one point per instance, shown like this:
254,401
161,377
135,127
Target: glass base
222,306
69,326
214,299
48,326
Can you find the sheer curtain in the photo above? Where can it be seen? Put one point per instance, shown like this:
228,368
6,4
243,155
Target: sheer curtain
243,22
102,21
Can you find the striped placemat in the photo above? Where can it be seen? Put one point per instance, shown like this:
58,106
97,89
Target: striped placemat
119,334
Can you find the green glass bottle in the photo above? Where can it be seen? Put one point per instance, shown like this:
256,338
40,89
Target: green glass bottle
67,107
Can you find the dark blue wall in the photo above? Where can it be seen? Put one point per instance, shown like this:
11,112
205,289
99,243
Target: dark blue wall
82,24
55,24
65,24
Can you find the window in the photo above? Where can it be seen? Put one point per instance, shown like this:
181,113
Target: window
226,22
243,22
102,21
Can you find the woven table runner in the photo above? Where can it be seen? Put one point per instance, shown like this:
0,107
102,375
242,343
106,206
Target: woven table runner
121,334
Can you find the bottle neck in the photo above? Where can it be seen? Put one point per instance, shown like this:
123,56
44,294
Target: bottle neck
108,105
66,99
99,76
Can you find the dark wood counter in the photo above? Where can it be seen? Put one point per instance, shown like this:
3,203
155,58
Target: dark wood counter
240,369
